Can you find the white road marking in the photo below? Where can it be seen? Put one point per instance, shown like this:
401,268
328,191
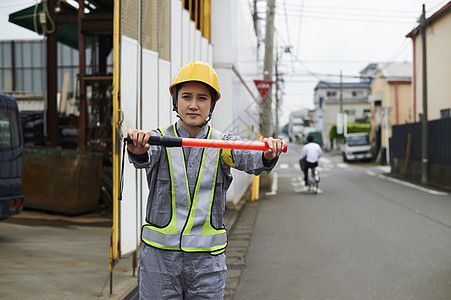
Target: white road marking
408,184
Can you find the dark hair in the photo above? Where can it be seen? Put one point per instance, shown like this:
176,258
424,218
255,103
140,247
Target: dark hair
310,138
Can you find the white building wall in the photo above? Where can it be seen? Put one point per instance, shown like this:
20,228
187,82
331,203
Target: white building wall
235,45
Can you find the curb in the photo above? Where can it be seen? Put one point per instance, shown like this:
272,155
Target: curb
39,218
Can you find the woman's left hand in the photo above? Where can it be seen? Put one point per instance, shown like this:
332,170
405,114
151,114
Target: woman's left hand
275,147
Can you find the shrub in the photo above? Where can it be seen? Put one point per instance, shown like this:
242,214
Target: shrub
353,127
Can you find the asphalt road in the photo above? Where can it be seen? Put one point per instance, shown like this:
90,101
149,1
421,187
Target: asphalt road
362,237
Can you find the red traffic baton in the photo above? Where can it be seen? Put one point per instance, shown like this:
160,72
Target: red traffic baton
171,141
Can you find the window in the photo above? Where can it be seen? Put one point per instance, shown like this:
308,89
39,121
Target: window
445,113
331,93
9,128
357,93
350,112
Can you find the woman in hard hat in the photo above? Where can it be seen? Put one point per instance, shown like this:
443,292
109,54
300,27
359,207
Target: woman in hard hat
184,239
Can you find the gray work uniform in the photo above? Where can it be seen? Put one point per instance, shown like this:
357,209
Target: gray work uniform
164,274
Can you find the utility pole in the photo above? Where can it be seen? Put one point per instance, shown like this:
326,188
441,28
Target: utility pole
52,63
255,18
341,92
340,125
276,134
265,107
424,120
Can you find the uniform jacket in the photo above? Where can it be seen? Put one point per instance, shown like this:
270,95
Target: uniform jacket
155,162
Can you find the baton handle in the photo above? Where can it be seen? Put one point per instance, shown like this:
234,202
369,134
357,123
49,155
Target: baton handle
167,141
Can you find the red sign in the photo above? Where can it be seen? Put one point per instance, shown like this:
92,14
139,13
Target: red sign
263,87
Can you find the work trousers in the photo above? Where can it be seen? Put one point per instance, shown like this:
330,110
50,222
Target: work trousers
180,275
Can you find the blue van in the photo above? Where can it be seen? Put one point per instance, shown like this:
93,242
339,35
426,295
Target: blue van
11,147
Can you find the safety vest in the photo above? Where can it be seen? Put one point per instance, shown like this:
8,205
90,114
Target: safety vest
190,228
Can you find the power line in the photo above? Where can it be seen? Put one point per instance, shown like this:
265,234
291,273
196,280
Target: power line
301,18
286,21
353,8
399,51
352,14
351,19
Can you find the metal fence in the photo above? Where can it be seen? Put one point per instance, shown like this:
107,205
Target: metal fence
439,140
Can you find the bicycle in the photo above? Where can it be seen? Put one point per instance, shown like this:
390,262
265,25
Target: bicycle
313,180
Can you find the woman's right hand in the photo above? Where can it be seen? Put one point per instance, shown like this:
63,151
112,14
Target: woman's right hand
140,139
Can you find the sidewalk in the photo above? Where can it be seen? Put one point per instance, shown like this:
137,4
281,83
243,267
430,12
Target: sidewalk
48,256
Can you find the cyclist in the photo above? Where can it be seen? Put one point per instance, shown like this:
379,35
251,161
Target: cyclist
311,152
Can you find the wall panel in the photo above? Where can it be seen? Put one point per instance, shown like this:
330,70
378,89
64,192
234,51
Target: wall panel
129,104
164,81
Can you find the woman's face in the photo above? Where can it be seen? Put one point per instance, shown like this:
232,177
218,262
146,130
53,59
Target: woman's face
193,103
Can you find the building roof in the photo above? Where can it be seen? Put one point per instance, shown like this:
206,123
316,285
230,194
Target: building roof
396,71
438,14
370,66
326,84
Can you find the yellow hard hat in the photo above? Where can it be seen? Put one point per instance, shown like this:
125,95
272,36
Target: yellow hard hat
197,71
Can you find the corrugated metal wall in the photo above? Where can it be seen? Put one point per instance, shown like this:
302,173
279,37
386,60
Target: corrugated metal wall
439,139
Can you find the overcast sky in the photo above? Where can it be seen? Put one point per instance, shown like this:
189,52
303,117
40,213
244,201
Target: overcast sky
326,37
329,37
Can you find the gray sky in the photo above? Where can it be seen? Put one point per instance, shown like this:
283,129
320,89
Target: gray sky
326,37
9,31
329,37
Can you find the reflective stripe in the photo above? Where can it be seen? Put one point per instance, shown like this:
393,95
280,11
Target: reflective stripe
190,227
194,241
155,238
203,197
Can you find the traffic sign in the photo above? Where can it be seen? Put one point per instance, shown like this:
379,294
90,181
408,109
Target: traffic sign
263,87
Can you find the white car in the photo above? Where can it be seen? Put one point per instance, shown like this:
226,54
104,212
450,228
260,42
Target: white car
356,146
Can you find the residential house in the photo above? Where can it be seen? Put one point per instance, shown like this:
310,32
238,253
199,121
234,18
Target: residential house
429,156
300,124
438,62
331,98
391,103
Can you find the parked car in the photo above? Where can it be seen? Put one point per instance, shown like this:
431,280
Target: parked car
356,146
11,147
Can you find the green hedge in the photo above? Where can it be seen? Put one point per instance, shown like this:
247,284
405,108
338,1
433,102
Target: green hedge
352,128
